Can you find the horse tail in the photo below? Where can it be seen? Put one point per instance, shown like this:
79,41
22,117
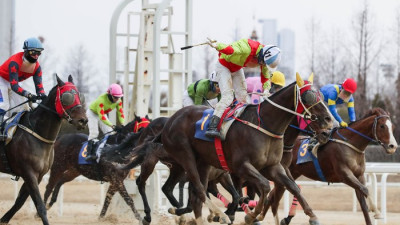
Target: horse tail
157,139
138,155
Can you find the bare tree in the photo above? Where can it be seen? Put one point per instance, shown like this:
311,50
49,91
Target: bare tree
397,101
313,30
366,54
81,68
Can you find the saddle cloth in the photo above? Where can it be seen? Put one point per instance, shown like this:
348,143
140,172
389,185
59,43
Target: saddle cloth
83,151
202,124
10,126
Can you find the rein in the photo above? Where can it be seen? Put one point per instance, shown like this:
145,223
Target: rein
375,139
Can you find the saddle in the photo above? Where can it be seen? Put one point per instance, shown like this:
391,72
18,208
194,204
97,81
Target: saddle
97,145
9,126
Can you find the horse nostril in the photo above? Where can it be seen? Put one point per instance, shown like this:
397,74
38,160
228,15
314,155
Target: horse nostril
391,146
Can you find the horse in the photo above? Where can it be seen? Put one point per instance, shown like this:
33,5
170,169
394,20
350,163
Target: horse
247,148
342,159
30,153
66,165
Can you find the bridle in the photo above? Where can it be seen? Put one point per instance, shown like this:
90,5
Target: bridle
375,139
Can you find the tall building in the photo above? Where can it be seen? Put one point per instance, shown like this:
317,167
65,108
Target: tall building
286,42
7,23
269,32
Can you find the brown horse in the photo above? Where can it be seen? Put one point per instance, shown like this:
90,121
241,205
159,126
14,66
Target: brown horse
246,149
30,153
66,166
342,161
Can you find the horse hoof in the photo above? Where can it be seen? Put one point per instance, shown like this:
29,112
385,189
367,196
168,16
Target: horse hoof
256,223
48,206
172,211
145,222
232,218
283,222
224,220
248,219
314,222
378,216
215,219
210,218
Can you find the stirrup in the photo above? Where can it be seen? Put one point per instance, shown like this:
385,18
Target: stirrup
91,158
213,134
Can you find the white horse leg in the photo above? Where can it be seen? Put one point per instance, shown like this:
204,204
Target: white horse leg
374,208
223,218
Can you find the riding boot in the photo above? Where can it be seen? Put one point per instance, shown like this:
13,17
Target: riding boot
311,144
212,131
91,151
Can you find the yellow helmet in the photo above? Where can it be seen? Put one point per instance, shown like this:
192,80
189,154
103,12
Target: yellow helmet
278,78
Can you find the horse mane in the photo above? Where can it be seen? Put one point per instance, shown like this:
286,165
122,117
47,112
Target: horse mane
282,90
375,112
118,152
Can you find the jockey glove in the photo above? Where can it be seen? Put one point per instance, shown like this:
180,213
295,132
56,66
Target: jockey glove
42,96
118,128
343,124
32,97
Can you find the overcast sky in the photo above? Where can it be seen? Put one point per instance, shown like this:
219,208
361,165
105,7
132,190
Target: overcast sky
67,23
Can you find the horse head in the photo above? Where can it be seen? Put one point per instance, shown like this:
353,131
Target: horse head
68,103
136,124
382,129
310,103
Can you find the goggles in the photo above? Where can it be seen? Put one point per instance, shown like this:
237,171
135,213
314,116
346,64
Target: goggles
34,52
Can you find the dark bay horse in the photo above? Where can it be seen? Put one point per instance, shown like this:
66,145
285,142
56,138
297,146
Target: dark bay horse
66,166
30,152
343,161
247,150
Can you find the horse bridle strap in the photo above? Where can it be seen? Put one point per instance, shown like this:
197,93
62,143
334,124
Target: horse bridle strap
259,128
35,134
348,144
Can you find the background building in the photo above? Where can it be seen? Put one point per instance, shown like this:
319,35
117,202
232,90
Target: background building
7,20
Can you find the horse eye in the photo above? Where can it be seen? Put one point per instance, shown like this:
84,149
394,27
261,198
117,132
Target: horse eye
67,99
382,126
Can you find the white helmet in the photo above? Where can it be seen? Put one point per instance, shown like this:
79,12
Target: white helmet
272,56
213,77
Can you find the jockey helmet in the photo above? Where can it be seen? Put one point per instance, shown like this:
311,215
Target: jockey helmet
270,55
213,77
349,85
115,90
278,78
33,44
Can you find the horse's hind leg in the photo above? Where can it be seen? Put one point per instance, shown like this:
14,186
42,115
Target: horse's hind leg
176,173
278,175
67,177
110,193
122,191
55,174
19,202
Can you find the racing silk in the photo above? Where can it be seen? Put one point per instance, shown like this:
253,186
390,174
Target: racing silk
102,105
11,71
242,53
200,91
331,92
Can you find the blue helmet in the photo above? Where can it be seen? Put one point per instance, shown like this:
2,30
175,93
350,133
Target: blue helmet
33,43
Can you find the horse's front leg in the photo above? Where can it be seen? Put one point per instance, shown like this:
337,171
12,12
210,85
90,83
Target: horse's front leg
363,204
349,179
110,193
278,175
19,202
33,188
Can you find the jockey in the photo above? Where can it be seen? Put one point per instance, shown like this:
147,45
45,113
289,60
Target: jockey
17,68
97,116
229,73
254,85
339,94
202,90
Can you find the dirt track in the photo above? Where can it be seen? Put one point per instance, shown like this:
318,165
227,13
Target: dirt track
332,205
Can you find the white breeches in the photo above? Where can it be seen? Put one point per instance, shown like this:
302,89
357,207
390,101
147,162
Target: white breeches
94,123
9,99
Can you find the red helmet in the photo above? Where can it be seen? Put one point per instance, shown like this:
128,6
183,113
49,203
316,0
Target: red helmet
350,85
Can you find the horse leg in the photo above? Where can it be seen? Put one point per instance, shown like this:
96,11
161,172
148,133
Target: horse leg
176,173
110,193
226,182
19,202
67,177
278,175
146,169
33,188
55,175
363,204
247,171
122,191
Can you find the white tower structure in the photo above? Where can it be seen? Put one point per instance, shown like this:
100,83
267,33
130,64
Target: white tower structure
150,59
7,33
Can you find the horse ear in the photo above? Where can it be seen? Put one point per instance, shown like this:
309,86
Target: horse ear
311,78
59,81
299,81
147,117
70,79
